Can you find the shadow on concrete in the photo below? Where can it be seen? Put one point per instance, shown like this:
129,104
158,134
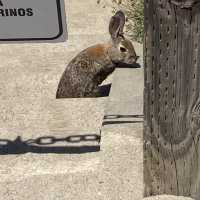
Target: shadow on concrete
43,145
104,90
114,119
125,65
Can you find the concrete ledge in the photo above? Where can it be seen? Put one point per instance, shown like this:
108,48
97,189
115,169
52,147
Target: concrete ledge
125,103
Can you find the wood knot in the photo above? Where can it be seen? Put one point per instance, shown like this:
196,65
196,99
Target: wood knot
195,117
184,3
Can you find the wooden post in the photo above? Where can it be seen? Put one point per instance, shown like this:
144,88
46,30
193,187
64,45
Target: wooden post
172,98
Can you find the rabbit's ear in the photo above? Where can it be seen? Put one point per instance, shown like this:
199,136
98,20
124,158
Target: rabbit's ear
122,18
116,25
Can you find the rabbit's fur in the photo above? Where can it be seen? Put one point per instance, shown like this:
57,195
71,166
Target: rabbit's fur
93,65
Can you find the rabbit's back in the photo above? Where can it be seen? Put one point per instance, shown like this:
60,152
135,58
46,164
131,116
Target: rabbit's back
78,77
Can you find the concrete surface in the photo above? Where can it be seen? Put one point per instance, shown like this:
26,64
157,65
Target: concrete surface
49,148
125,102
167,197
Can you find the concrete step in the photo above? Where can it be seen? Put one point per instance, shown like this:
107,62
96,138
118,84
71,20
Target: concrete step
88,17
124,109
45,117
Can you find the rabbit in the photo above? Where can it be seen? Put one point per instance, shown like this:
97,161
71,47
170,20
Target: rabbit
93,65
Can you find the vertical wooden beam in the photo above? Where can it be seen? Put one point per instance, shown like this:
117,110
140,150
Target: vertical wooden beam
172,98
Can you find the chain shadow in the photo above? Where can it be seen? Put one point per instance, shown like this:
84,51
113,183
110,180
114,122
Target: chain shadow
114,119
42,145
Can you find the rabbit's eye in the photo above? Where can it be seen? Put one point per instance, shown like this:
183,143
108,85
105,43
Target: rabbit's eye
122,49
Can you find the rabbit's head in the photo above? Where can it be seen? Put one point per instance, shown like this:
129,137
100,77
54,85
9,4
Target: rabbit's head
122,49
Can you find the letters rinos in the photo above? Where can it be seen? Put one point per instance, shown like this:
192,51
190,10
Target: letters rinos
9,12
16,12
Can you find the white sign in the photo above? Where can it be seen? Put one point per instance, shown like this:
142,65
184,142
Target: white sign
32,21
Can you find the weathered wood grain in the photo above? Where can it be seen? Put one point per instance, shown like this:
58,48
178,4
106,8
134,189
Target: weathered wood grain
172,97
185,3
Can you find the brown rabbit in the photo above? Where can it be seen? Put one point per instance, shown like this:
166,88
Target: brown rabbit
92,66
